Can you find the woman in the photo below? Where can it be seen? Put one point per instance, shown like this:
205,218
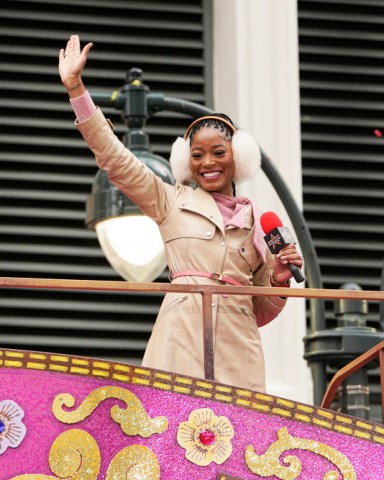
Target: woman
210,235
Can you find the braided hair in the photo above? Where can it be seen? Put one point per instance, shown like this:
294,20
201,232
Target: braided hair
213,123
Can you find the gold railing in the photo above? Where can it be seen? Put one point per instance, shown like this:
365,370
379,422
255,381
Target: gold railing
206,291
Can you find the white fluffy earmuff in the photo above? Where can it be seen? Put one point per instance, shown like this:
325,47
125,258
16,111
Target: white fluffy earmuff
179,161
246,155
245,150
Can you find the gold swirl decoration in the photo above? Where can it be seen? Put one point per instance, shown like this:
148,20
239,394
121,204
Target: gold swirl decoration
268,464
74,455
132,463
133,420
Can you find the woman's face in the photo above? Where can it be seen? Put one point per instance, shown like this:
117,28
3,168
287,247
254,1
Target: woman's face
211,161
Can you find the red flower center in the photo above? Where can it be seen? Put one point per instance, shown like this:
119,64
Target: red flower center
207,437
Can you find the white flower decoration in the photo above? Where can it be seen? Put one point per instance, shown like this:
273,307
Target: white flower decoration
12,429
205,437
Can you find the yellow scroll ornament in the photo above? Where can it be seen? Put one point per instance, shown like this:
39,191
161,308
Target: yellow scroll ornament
135,462
134,420
269,464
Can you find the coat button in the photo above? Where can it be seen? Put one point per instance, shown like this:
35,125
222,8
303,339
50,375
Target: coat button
209,234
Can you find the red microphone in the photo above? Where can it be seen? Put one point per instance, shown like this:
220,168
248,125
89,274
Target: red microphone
278,237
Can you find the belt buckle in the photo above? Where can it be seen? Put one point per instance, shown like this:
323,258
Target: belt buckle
217,276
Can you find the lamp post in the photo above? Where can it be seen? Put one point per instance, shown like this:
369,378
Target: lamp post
338,346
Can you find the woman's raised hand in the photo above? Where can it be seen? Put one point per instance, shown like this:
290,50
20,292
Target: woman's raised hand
72,61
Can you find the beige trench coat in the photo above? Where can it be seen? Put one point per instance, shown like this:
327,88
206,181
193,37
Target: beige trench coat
192,228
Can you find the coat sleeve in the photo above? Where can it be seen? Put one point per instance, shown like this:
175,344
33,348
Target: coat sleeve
125,171
266,309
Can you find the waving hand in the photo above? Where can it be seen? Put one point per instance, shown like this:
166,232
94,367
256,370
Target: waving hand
72,61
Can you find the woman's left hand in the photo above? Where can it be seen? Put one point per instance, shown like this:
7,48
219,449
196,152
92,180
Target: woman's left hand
281,271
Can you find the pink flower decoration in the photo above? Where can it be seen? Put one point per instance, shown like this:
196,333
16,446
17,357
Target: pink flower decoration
12,429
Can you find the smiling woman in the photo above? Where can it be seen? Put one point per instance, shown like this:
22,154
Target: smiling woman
212,164
210,235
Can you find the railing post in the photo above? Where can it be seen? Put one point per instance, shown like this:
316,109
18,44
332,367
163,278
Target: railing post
209,364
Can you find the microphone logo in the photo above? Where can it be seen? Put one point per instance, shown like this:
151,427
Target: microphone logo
278,238
274,242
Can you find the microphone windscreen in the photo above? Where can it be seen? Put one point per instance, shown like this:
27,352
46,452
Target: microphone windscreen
269,221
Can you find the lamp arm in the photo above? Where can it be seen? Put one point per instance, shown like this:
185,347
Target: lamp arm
116,99
300,226
156,102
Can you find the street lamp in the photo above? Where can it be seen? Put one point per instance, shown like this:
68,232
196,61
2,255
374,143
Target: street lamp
338,346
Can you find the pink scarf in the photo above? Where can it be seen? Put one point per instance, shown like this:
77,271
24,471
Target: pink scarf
232,210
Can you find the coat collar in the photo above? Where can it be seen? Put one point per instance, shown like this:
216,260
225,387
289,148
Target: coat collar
202,202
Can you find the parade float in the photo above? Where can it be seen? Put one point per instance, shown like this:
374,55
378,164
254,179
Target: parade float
69,417
78,418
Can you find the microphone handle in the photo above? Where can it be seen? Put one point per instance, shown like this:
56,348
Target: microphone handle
296,272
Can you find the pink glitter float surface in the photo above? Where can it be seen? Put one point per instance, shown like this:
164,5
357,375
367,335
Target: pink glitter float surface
34,391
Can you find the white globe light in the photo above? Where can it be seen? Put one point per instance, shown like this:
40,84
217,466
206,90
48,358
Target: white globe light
133,246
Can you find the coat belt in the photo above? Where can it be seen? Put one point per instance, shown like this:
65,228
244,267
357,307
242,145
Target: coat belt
215,276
